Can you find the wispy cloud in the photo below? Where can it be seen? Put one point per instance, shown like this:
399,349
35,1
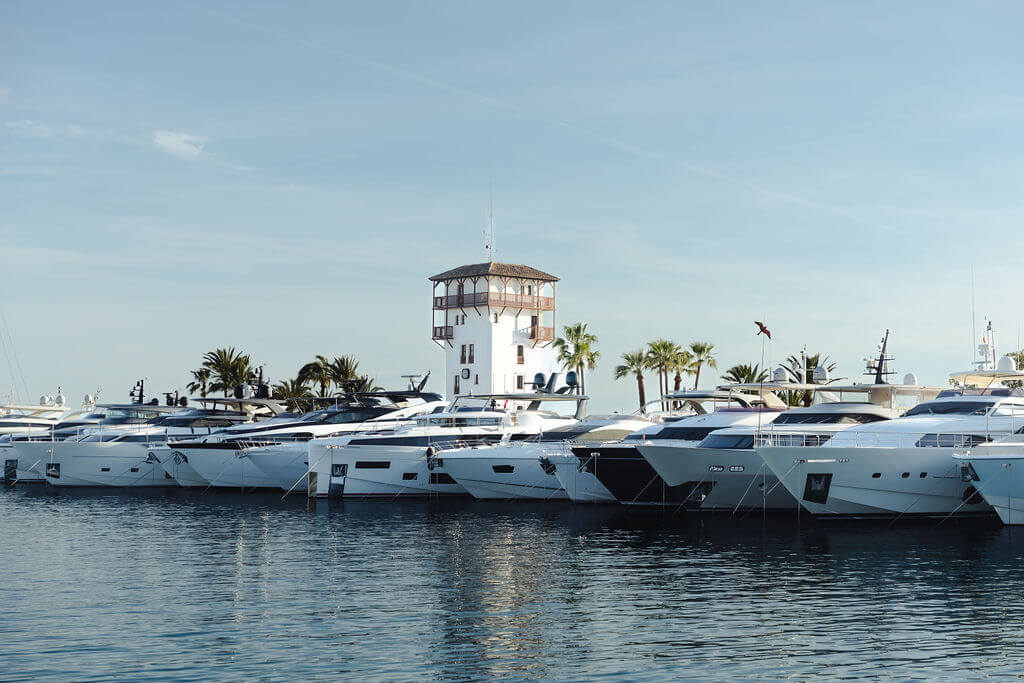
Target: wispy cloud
5,92
27,128
181,145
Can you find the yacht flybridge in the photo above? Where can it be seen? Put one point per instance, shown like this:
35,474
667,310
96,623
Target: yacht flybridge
406,460
269,453
905,466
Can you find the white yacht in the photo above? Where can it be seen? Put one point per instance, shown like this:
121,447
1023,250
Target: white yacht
730,472
525,469
620,468
904,466
30,420
68,460
287,462
996,470
211,459
404,461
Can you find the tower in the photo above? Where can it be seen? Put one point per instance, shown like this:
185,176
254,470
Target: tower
496,323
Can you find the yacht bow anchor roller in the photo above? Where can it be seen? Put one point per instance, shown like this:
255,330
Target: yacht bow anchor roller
905,466
409,460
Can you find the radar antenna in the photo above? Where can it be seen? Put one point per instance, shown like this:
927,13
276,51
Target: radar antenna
879,367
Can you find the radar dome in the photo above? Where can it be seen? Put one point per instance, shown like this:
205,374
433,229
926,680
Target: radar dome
60,400
571,379
821,375
910,379
780,375
1006,364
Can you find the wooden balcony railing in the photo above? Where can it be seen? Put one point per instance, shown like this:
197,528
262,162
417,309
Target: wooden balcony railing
527,301
539,333
444,332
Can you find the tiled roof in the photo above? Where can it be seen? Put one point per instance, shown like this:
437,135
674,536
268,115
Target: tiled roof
500,269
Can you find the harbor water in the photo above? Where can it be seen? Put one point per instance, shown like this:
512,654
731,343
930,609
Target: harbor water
192,585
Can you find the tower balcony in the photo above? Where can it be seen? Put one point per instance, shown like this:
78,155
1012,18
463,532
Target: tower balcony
538,333
443,332
531,302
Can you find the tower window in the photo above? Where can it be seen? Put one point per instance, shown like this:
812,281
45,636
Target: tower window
462,355
519,382
455,388
520,358
476,379
471,354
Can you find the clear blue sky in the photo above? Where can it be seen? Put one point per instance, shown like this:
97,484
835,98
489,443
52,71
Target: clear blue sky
283,178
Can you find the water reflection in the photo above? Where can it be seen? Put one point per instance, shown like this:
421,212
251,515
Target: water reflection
156,584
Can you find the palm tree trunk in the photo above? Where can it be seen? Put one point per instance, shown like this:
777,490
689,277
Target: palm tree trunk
640,390
696,380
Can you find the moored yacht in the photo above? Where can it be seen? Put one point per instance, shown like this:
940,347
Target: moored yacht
905,466
623,471
287,461
72,457
731,473
526,469
996,470
27,421
404,461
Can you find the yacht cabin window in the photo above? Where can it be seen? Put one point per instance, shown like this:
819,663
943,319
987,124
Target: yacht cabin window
728,441
950,408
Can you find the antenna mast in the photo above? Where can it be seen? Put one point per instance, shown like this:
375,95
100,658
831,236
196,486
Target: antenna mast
490,228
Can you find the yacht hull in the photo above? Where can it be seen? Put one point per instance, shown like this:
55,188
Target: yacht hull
286,465
16,470
378,471
110,464
580,486
1000,480
511,471
721,478
632,480
224,466
176,464
874,482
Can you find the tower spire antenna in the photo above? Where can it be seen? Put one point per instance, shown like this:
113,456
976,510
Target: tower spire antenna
490,226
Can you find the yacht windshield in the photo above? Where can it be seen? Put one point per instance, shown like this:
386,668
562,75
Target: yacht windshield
826,418
448,421
728,441
950,408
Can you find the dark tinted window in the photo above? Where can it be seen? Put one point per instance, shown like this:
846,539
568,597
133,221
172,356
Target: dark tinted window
950,408
950,440
728,441
826,418
683,433
372,465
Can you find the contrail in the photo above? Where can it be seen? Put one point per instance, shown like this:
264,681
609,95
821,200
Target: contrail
611,142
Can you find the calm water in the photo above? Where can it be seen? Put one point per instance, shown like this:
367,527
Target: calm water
196,586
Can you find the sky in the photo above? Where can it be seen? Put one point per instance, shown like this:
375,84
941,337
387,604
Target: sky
283,178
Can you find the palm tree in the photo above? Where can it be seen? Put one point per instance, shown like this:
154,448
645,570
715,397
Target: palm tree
290,391
703,354
317,372
200,380
682,364
745,373
634,363
576,351
344,371
803,371
363,383
661,355
229,368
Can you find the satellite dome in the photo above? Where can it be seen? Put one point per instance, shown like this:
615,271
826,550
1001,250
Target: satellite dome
780,375
1006,364
821,375
910,379
60,400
